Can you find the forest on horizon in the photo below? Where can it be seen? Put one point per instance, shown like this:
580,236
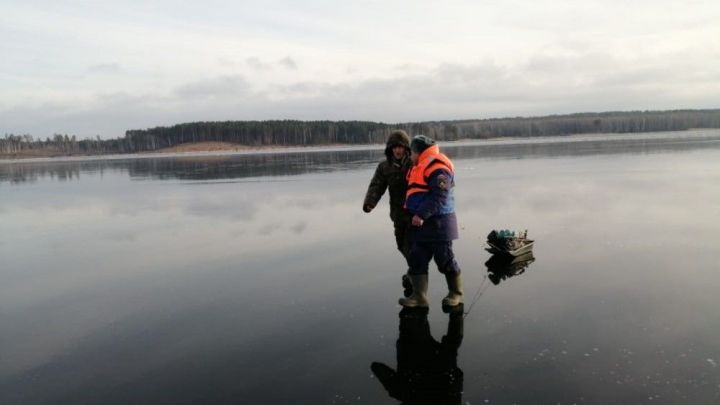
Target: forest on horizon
315,133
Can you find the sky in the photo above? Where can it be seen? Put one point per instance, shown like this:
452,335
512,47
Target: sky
99,68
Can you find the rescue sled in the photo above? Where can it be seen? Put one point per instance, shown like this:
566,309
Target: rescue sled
504,242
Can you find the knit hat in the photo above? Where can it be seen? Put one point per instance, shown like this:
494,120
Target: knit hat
420,143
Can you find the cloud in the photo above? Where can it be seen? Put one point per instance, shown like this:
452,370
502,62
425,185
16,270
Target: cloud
257,64
226,62
105,68
547,84
253,62
224,86
288,63
263,66
299,228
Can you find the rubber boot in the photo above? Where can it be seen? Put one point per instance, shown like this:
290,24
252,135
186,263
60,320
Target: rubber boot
407,286
455,291
419,295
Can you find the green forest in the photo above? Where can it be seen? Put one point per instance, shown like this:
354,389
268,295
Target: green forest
314,133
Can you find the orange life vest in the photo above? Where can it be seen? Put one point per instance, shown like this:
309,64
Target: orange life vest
429,160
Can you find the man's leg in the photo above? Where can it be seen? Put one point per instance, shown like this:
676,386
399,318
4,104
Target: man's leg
445,260
402,239
420,256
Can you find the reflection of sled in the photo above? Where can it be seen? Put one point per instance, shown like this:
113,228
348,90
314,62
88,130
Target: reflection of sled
502,267
525,248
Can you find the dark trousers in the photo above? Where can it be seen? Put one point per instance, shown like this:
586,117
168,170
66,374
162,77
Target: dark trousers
402,238
422,252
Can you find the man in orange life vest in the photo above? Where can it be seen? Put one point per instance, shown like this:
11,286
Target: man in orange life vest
431,203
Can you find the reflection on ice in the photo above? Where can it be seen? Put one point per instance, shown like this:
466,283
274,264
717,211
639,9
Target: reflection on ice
427,370
501,267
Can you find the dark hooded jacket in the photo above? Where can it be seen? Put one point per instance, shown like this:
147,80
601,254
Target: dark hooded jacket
390,174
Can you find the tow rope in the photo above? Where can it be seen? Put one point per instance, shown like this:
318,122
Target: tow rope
480,291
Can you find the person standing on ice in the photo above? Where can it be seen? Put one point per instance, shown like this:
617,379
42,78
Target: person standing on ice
390,174
430,201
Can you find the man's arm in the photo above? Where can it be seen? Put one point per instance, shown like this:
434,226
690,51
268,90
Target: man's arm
439,182
376,189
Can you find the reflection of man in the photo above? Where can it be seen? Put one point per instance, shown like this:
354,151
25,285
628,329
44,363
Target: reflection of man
427,371
390,175
430,201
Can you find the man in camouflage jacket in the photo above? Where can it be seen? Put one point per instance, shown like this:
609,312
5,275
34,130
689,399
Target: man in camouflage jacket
390,175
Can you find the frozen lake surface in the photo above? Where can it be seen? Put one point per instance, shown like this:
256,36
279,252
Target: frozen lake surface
257,279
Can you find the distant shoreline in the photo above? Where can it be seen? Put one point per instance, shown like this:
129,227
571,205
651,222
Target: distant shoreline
220,149
276,135
188,149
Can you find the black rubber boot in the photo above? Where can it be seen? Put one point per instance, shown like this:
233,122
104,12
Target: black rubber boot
407,285
455,291
419,294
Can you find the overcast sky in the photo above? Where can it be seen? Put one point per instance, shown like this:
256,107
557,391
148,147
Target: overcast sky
102,67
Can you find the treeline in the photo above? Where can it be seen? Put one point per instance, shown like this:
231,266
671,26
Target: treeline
58,145
308,133
587,123
311,133
257,165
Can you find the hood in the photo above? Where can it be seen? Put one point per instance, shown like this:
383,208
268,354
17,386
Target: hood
397,137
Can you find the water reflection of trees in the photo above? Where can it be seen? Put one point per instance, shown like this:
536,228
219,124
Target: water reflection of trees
283,164
22,172
230,167
550,148
194,168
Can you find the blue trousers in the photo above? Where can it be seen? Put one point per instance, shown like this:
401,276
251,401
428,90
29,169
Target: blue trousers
422,252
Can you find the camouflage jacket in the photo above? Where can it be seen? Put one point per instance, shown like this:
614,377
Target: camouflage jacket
390,175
